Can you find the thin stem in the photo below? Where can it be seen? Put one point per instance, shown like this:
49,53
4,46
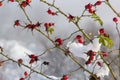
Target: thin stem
108,3
70,35
119,46
26,15
46,51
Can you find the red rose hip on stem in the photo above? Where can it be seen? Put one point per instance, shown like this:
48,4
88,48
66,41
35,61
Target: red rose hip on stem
49,11
59,41
115,19
88,62
92,58
98,3
99,64
1,3
24,4
28,1
105,54
102,31
22,79
17,23
65,77
11,0
26,74
78,37
88,6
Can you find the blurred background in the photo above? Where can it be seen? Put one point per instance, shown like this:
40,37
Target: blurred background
11,37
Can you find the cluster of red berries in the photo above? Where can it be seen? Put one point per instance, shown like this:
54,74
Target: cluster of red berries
79,39
25,3
59,41
32,26
33,58
25,74
65,77
48,25
89,6
50,12
1,2
91,55
29,26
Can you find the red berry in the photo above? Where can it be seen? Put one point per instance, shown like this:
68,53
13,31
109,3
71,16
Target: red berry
24,4
59,41
88,6
51,24
26,74
91,53
46,24
11,0
49,11
32,61
32,56
22,79
65,77
28,1
78,37
102,31
53,13
80,41
98,3
1,3
88,62
17,23
99,64
105,54
115,19
91,58
91,10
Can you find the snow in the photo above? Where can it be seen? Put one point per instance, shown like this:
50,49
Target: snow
79,50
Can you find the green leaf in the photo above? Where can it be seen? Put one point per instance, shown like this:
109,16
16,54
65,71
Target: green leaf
19,1
106,41
50,30
97,18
